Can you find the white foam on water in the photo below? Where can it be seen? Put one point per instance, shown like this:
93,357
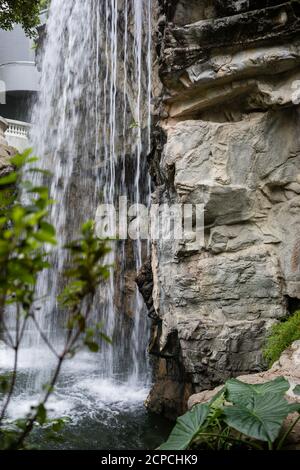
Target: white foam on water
90,397
29,359
57,406
80,391
110,392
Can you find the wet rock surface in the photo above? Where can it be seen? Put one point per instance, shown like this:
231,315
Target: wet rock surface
227,139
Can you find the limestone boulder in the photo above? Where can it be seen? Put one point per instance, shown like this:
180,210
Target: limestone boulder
227,141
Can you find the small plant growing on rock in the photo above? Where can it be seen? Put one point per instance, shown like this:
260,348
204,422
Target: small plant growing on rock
282,335
239,416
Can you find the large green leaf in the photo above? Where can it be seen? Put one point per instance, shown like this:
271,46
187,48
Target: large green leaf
295,408
239,392
261,418
296,390
187,427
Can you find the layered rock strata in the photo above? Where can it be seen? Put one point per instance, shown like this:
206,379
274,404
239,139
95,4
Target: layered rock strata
228,138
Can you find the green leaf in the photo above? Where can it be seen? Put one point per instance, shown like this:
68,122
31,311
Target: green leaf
4,247
4,384
44,237
187,428
41,416
261,418
134,125
48,228
57,425
105,338
92,346
17,213
21,424
9,179
81,322
218,399
87,227
296,390
39,171
41,190
294,407
239,392
20,159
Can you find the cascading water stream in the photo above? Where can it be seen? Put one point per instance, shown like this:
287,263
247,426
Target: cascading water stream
91,129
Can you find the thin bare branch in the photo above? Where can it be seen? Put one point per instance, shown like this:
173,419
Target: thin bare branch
43,336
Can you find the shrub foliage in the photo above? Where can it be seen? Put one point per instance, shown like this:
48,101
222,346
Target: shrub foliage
282,335
240,416
24,12
25,240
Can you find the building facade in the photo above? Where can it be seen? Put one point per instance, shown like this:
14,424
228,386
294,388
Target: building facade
19,84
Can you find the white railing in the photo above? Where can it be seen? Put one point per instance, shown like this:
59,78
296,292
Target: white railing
17,134
17,128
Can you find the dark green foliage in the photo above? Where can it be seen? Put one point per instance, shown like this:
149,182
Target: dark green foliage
23,12
260,418
187,428
239,416
87,255
281,337
44,4
7,196
238,392
24,234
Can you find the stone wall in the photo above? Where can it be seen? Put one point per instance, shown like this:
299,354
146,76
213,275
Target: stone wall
227,137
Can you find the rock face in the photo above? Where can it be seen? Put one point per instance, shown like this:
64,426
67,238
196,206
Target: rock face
287,366
227,138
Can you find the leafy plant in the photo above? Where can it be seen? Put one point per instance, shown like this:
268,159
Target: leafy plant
24,235
24,12
240,415
282,335
187,428
134,125
44,4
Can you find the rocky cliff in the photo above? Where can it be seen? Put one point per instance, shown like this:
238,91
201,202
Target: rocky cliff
227,137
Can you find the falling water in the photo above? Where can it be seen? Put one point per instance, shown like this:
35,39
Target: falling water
91,129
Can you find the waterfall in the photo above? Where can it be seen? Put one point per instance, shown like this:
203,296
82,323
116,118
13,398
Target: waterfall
91,130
